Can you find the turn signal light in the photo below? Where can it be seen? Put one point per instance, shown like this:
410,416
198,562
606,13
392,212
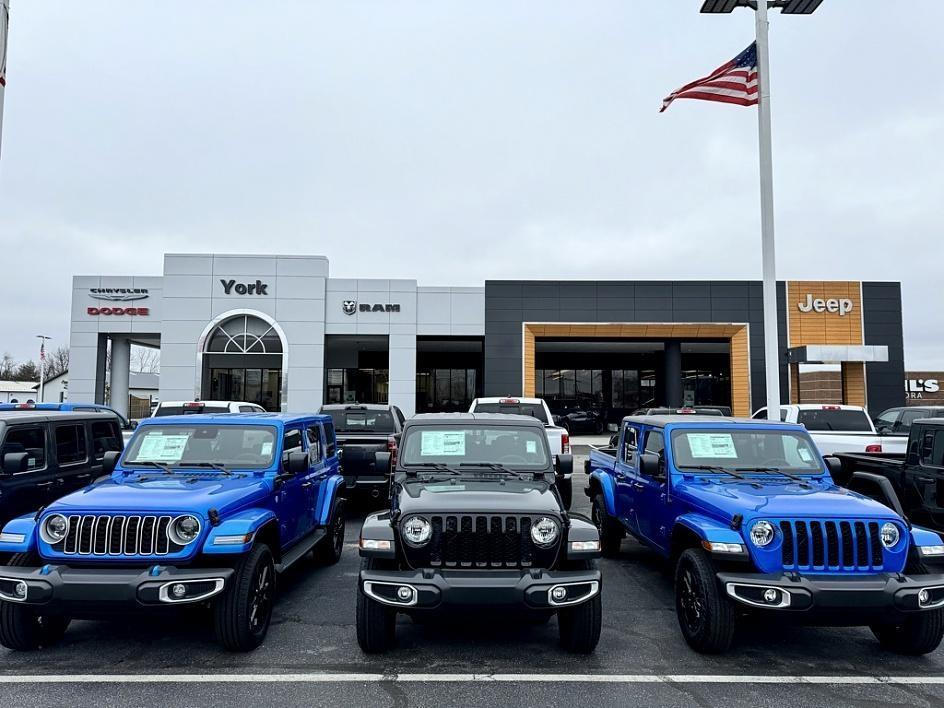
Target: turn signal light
565,444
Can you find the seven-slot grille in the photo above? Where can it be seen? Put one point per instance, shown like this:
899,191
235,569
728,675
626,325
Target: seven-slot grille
132,535
481,541
852,545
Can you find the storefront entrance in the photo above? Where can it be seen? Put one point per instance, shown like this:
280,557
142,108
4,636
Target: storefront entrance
357,369
260,386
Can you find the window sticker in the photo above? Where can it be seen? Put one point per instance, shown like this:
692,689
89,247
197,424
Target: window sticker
442,443
531,446
162,448
266,448
712,445
805,454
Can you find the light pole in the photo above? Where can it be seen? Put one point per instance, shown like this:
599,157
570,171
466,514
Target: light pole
42,363
768,249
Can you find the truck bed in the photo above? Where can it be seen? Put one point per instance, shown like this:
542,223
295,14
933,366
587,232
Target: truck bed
887,464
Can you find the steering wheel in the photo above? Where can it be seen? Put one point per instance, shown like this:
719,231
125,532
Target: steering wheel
511,458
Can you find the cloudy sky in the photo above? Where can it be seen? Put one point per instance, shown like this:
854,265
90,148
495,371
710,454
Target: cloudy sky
453,141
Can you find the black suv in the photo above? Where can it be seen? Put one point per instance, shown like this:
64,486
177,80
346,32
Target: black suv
46,455
475,520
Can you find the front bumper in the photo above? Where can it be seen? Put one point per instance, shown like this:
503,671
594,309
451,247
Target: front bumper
66,588
429,590
796,593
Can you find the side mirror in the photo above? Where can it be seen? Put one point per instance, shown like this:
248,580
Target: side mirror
565,465
650,465
382,462
132,425
110,461
15,462
297,462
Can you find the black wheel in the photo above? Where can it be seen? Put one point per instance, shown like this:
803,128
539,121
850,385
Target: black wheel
376,623
243,613
611,533
328,550
918,634
22,627
566,489
706,617
580,625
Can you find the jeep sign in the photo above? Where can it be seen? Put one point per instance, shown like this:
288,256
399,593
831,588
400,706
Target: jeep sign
841,307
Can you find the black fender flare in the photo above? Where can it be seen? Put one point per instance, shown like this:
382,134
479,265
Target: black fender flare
865,482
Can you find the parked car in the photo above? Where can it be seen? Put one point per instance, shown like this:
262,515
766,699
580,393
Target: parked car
911,483
475,521
836,428
164,408
754,525
558,438
363,430
897,421
46,454
197,510
685,410
127,426
577,418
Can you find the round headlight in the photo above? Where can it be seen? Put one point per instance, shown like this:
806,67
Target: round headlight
890,535
417,530
183,530
54,529
762,533
544,531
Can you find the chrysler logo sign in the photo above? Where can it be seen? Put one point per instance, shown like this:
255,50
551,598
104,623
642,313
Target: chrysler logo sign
118,294
349,307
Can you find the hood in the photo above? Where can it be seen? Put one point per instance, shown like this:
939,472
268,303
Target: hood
470,496
173,493
823,500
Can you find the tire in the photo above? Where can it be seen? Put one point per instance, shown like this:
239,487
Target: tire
376,623
918,634
22,627
566,489
580,625
611,533
705,616
328,551
243,613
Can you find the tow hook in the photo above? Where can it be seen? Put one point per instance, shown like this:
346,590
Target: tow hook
794,576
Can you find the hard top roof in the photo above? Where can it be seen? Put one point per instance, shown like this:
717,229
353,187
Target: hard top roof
660,421
41,416
491,418
356,407
235,419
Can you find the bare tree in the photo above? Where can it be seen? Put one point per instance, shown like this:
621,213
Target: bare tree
7,367
57,362
146,360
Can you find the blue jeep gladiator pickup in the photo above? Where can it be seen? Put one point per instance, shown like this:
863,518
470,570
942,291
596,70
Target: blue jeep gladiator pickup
753,524
198,509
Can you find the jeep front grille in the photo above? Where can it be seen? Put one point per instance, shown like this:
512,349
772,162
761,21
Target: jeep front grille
480,541
94,535
831,545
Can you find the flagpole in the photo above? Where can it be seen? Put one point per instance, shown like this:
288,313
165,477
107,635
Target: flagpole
4,32
768,249
42,364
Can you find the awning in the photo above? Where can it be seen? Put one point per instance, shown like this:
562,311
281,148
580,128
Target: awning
831,354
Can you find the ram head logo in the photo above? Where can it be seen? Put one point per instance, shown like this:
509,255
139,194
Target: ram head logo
349,307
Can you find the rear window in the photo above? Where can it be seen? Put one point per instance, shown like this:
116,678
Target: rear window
534,410
188,410
362,421
832,420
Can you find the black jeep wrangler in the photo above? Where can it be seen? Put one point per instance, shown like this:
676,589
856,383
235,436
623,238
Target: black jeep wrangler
475,520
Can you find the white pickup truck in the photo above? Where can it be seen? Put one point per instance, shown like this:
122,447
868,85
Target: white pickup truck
557,438
839,429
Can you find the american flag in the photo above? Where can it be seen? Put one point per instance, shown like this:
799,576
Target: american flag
42,351
734,82
4,27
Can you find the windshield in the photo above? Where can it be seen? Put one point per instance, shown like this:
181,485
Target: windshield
835,419
362,421
746,450
471,444
226,445
534,410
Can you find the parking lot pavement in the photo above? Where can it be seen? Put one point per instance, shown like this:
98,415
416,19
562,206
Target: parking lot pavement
641,655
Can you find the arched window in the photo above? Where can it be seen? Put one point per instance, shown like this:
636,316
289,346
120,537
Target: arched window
244,334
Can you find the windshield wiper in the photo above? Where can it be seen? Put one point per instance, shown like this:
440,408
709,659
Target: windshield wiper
719,470
489,465
438,466
213,465
775,470
166,469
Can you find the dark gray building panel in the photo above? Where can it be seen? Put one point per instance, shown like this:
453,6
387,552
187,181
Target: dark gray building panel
881,319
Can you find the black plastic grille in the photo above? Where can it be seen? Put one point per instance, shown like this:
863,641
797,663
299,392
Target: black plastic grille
480,541
828,545
118,536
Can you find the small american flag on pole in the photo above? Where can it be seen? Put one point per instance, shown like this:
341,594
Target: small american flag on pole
42,350
734,82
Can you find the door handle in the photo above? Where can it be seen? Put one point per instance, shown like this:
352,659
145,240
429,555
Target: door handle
924,480
44,484
638,486
305,485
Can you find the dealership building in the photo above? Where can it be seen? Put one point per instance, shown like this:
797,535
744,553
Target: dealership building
279,331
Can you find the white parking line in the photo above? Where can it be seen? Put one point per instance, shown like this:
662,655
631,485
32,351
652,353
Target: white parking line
468,678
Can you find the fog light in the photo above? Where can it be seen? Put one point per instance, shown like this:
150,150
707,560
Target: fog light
404,593
924,597
178,590
558,594
771,595
20,590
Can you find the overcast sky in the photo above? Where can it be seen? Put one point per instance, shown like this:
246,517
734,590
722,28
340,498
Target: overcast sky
458,141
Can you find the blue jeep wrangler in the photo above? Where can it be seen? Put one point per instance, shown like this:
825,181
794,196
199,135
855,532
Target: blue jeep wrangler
198,509
753,523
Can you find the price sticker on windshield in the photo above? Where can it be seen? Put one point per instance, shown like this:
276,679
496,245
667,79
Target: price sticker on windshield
442,443
712,446
162,448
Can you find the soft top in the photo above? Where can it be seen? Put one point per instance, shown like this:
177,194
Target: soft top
278,419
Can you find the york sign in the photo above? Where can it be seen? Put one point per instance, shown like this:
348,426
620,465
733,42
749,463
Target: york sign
231,286
841,307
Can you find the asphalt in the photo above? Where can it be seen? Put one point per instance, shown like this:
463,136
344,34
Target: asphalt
641,652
